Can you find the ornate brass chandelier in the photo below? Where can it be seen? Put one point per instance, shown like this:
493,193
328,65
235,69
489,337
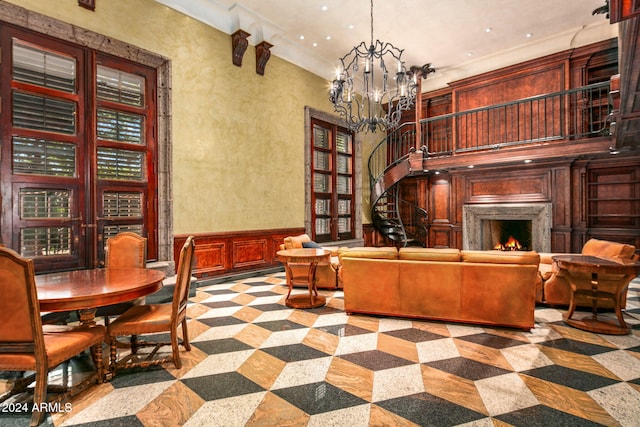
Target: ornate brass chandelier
385,92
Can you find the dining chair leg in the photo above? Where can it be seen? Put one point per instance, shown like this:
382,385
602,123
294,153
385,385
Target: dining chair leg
39,395
134,344
185,336
96,356
113,353
175,350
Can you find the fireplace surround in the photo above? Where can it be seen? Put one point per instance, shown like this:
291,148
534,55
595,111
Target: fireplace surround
475,216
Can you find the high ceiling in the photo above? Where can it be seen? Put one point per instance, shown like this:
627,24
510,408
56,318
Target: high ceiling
459,38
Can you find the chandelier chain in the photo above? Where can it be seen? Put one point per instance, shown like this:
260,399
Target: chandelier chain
371,22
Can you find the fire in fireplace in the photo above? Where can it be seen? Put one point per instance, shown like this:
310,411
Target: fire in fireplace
510,245
506,234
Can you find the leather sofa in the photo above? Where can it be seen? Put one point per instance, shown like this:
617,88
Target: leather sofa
479,287
326,274
554,287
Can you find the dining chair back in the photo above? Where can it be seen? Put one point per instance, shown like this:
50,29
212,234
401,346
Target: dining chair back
156,318
124,250
25,347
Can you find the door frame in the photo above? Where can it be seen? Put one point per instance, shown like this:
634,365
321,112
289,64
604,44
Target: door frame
312,113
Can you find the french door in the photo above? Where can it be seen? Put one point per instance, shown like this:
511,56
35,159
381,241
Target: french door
332,177
78,150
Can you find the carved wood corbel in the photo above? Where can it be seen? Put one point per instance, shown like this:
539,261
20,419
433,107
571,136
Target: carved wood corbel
262,56
239,46
88,4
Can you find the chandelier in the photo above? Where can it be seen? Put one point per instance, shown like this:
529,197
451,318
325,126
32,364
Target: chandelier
384,92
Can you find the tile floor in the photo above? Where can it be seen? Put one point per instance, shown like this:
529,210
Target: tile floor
255,362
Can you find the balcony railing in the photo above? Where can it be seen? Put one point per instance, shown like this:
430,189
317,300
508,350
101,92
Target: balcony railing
573,114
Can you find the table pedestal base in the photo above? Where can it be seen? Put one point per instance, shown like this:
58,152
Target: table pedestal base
598,324
87,316
305,301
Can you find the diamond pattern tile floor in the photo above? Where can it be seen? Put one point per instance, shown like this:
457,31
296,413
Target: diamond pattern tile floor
256,362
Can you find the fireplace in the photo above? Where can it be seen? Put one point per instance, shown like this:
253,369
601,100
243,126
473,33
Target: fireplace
483,226
506,234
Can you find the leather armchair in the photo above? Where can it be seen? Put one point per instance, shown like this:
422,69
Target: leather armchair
326,275
556,289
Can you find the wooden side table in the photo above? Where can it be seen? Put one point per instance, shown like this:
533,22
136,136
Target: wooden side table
595,266
312,257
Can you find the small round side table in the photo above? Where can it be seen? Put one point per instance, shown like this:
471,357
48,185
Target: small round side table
311,257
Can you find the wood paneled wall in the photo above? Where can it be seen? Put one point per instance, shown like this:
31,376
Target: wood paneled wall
591,198
221,254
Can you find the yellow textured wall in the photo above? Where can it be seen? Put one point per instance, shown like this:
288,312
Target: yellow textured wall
238,138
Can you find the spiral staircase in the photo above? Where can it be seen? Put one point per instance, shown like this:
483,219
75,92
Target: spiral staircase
399,220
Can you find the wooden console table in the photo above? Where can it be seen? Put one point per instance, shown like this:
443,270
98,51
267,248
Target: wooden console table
311,257
592,322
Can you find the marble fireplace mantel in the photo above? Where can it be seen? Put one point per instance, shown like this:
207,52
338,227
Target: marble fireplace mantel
540,215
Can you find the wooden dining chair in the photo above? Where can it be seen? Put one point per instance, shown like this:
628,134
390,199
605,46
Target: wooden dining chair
155,318
25,347
124,250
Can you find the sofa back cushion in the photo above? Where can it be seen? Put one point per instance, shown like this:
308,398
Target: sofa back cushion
386,252
429,254
606,249
502,257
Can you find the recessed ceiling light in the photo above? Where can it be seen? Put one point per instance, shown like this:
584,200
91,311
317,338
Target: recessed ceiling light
469,53
301,37
324,8
350,27
328,38
315,45
529,35
470,166
487,30
528,161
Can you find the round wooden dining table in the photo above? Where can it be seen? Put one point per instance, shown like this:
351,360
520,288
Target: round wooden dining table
86,290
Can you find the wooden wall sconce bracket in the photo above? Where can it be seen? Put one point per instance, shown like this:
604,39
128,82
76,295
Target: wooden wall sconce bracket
262,56
88,4
239,46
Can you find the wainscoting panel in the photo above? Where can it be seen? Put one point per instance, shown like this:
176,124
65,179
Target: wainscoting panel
250,253
211,256
222,254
